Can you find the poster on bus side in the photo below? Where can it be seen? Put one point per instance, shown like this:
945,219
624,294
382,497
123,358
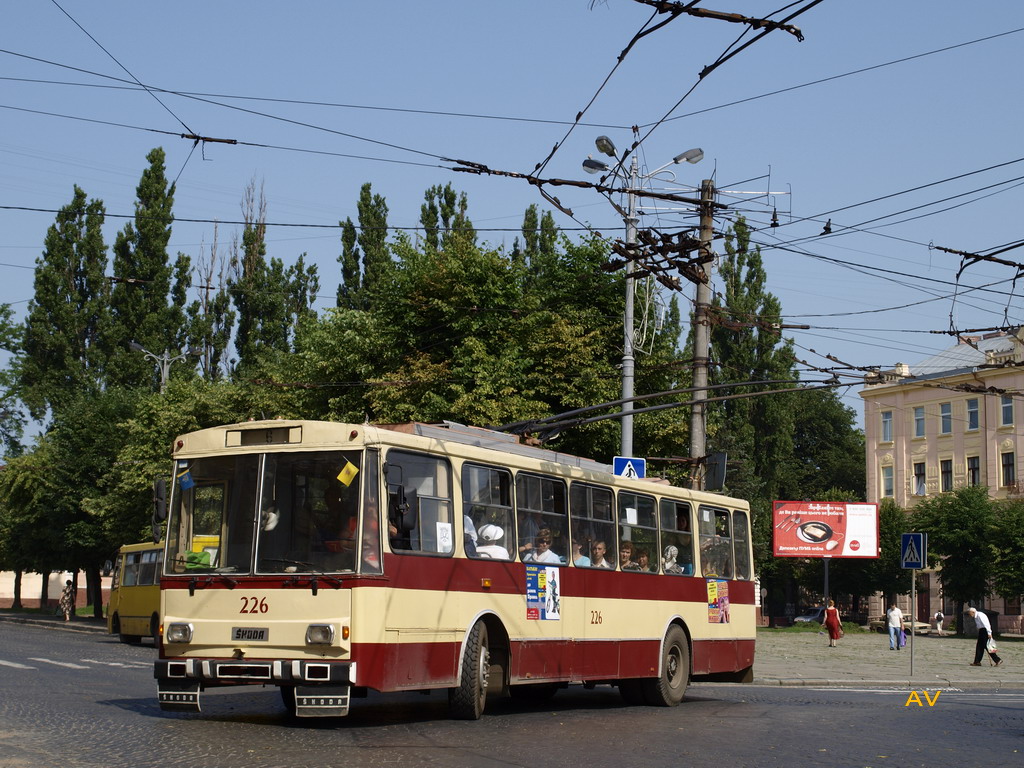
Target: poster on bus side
824,529
718,601
543,596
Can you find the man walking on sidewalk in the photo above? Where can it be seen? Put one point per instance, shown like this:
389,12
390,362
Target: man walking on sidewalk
984,633
894,617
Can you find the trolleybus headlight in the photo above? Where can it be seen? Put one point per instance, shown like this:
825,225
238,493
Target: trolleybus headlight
178,633
320,634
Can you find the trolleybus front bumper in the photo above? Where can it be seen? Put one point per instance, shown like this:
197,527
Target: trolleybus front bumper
321,688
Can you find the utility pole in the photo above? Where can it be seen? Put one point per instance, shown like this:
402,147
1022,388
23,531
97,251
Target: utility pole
702,337
628,359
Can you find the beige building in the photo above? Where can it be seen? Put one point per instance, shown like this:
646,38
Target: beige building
954,419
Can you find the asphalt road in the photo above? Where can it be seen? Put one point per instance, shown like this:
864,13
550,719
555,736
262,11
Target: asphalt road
83,700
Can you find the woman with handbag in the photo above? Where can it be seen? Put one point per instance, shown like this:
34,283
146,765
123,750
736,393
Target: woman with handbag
833,624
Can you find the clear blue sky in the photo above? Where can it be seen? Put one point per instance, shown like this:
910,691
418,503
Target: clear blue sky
400,84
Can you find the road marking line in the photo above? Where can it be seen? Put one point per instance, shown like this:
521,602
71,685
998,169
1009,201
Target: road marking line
67,664
15,665
133,665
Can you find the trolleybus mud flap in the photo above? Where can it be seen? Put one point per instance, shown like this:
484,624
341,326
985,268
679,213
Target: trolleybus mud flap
178,695
321,700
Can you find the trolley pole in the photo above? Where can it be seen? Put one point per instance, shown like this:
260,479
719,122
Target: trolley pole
702,338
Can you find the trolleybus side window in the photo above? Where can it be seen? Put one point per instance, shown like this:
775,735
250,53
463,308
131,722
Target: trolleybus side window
594,526
542,519
715,542
741,544
370,561
487,503
676,538
419,504
638,533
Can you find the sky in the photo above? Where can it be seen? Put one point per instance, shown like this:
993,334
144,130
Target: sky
897,123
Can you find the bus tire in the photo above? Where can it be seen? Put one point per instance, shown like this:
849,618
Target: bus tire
668,689
115,628
154,629
466,701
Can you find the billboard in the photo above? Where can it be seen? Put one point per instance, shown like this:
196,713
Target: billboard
824,529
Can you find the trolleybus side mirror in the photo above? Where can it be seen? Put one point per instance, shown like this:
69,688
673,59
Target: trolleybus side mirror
159,507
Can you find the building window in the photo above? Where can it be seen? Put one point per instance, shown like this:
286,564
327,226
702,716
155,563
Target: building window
919,421
1006,409
946,472
886,426
973,470
888,487
1009,468
919,484
972,413
946,418
1012,606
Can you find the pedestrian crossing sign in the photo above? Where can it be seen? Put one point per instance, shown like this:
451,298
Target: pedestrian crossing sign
629,466
913,550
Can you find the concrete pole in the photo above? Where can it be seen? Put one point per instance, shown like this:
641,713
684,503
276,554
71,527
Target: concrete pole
626,448
702,338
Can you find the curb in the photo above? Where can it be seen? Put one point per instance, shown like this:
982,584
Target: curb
81,625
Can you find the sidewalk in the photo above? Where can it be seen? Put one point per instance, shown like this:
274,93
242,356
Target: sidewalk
864,659
77,623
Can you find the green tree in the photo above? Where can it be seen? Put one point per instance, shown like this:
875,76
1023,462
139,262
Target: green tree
267,296
828,449
1007,546
959,525
755,432
63,356
139,305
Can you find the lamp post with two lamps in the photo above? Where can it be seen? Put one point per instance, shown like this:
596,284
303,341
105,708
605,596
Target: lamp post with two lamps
606,146
163,361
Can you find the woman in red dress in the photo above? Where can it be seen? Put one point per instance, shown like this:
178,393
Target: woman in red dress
832,623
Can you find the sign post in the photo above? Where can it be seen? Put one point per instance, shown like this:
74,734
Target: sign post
913,554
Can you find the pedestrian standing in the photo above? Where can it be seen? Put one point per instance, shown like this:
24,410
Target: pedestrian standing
984,633
67,600
894,619
833,624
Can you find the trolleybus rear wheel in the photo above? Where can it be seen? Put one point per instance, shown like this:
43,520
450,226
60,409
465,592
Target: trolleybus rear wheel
668,690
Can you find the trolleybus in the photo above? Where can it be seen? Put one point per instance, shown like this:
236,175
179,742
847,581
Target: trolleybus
352,558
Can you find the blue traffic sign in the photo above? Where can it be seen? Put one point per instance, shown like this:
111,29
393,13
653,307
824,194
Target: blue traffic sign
629,466
914,550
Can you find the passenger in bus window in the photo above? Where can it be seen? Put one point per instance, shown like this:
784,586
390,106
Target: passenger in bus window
597,555
487,542
540,551
578,558
469,535
626,562
669,564
371,545
643,560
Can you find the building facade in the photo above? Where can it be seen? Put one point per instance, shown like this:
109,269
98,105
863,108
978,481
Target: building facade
952,420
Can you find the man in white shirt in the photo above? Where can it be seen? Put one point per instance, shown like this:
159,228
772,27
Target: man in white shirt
894,617
984,633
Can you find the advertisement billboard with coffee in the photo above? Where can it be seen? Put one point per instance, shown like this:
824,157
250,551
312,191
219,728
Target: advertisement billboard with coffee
824,529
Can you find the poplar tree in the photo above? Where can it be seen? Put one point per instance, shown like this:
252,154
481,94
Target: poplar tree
63,356
139,298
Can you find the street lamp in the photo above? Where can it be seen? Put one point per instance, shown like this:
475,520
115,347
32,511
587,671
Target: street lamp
607,147
163,361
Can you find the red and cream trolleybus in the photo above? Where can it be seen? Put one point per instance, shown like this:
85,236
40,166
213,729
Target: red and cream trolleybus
339,559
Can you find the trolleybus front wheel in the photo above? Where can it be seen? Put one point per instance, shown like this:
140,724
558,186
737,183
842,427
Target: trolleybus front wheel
466,701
